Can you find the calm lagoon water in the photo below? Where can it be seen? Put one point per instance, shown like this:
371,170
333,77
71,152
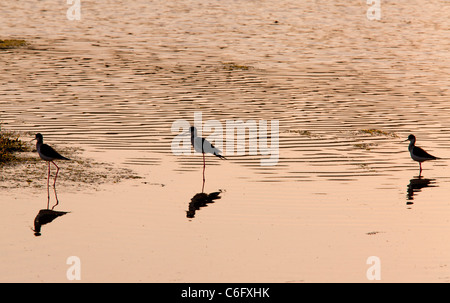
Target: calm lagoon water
113,83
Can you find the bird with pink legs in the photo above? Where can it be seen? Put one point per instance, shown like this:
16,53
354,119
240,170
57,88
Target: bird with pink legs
49,154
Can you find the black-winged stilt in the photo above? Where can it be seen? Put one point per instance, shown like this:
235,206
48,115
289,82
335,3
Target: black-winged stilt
203,146
417,153
47,153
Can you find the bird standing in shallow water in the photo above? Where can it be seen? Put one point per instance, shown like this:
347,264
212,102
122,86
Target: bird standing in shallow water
417,153
203,146
48,154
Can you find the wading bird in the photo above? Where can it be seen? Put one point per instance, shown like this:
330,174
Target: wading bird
417,153
47,153
203,146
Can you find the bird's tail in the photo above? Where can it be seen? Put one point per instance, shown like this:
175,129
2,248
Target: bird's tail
220,156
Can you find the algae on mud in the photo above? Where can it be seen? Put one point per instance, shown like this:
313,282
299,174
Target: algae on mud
10,145
12,43
21,166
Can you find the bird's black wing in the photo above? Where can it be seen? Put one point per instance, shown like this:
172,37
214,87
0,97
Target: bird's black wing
50,152
419,152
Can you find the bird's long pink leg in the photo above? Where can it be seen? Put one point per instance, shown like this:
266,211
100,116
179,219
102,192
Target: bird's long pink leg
57,170
48,180
420,166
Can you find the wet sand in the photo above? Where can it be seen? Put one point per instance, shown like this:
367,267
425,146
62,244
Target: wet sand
115,81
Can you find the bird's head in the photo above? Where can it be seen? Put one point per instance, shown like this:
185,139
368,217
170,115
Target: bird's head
411,138
38,137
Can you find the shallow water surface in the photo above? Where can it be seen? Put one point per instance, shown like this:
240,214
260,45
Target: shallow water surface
345,90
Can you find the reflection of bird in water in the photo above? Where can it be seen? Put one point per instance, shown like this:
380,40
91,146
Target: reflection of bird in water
45,216
203,146
415,186
417,153
201,200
